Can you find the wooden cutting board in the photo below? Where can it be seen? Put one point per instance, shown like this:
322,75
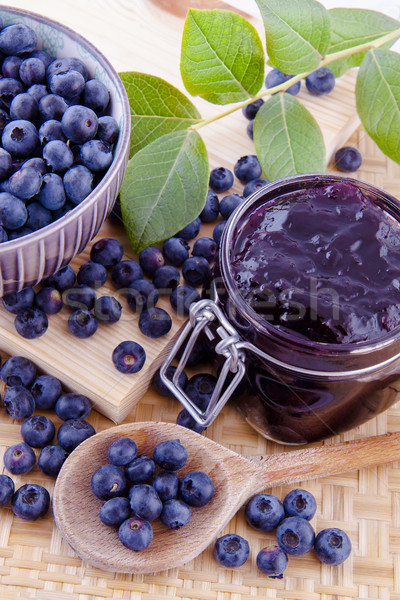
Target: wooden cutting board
150,44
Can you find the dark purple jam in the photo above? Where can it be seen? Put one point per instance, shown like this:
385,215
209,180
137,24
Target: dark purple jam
322,263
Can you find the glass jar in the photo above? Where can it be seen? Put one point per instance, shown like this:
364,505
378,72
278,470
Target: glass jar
289,385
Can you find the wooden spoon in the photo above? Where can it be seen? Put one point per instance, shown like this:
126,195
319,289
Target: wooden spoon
235,477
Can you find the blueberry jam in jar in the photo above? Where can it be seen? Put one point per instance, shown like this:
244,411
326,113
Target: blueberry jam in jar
309,275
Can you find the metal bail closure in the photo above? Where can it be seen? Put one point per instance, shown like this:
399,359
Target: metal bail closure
201,315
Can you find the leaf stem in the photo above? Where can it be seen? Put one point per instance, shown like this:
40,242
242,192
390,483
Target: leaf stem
326,60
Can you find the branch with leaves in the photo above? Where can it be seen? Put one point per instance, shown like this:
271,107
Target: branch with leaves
223,61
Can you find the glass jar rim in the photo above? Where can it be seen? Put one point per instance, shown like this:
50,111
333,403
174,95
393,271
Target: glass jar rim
283,186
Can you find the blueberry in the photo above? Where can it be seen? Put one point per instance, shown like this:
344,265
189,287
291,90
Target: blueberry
217,231
31,71
140,469
332,546
72,406
150,259
221,179
166,484
276,77
200,388
107,251
129,357
197,489
38,431
30,502
37,163
300,503
49,300
13,212
52,106
16,301
264,512
295,536
122,451
20,138
44,56
348,159
38,216
231,550
210,211
254,185
37,91
272,561
144,501
57,156
170,455
52,194
136,534
19,458
80,296
10,66
51,130
63,279
18,402
9,89
154,322
175,250
6,490
51,459
24,106
96,96
5,163
175,513
78,183
68,84
320,82
108,481
79,123
31,323
18,370
185,419
17,39
66,63
166,278
125,272
45,391
247,168
82,323
196,270
107,129
107,310
191,230
92,274
115,511
4,235
72,432
228,204
162,388
96,155
250,110
206,247
182,298
141,294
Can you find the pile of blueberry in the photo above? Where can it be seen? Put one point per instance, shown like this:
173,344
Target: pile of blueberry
27,391
138,489
294,533
56,139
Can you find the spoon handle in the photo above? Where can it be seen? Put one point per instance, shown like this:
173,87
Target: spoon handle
323,461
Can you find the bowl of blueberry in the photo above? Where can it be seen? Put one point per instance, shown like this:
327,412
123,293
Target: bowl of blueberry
64,145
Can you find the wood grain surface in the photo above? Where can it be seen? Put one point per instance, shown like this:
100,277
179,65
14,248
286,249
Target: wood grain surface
143,36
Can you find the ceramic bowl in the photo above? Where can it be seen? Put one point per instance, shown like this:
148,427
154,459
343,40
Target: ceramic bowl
27,260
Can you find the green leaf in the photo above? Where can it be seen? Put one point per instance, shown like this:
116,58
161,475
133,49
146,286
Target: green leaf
297,33
287,138
157,108
164,187
352,27
222,58
378,100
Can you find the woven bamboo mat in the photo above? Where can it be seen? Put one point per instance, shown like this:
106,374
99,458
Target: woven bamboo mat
36,564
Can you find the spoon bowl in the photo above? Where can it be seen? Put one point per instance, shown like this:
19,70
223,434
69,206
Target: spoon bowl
235,477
